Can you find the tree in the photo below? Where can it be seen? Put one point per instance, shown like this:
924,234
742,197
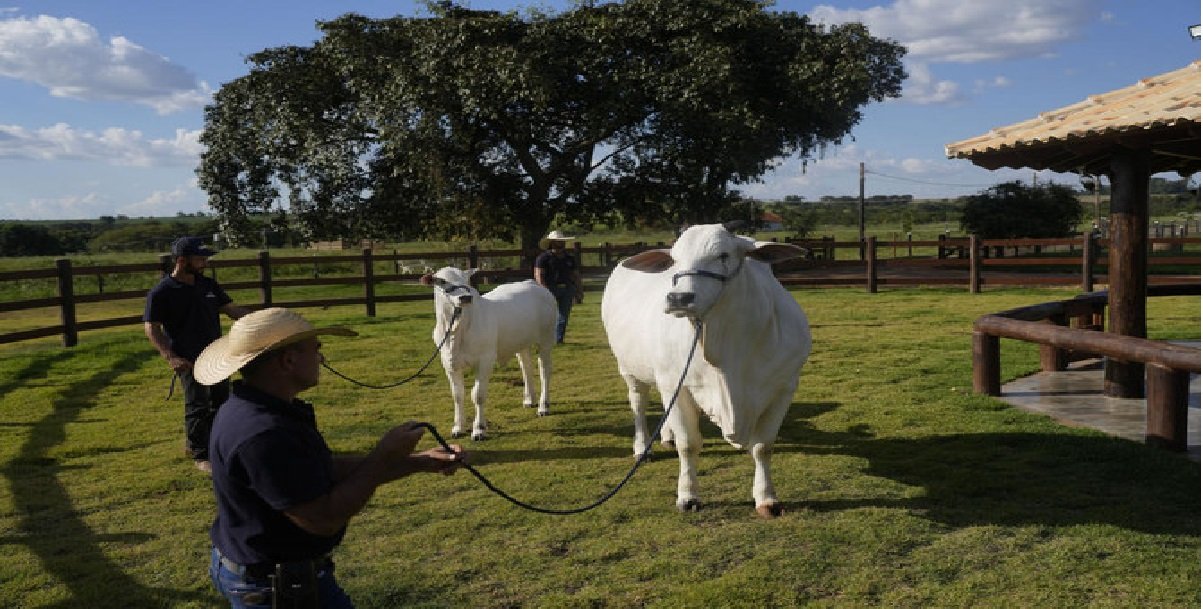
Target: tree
18,239
483,124
1013,210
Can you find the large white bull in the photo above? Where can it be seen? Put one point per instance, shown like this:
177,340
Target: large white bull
755,339
509,320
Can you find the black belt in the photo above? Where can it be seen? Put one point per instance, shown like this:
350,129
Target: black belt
262,570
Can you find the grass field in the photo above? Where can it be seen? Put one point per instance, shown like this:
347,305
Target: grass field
902,487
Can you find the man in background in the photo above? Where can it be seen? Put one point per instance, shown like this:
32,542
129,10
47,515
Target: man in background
181,318
558,271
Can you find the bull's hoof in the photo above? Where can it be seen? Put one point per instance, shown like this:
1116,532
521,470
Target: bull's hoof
689,505
457,432
770,510
478,435
543,411
528,404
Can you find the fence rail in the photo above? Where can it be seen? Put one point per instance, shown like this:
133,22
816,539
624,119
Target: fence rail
957,261
1071,329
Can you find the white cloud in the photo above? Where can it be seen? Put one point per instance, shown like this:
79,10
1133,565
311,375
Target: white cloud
114,145
68,57
923,88
167,202
969,32
69,207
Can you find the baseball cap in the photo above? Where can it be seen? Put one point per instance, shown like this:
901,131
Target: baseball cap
190,246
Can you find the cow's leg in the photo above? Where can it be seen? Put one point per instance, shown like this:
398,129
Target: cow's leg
545,378
637,395
764,435
456,379
480,393
688,436
527,369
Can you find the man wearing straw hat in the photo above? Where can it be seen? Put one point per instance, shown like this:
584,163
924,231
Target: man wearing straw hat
182,316
283,499
557,270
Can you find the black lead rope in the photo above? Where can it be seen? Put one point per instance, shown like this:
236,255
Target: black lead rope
446,336
647,451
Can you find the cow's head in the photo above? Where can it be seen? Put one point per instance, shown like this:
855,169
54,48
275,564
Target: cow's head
452,284
703,261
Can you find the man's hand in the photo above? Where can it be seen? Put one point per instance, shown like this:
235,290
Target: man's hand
178,363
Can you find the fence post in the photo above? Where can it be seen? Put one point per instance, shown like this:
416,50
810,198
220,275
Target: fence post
870,250
473,262
165,264
1088,261
606,254
265,278
975,266
940,251
1166,404
369,283
986,371
66,295
1053,359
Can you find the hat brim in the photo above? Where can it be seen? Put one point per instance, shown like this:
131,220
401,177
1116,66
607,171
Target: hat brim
216,363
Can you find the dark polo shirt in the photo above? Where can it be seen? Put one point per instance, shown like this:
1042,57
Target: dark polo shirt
556,269
190,314
267,457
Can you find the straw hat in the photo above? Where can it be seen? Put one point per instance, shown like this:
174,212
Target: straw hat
556,235
252,335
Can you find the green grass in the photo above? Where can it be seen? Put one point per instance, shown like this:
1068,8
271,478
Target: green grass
902,487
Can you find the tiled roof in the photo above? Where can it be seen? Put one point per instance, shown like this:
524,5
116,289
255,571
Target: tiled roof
1160,113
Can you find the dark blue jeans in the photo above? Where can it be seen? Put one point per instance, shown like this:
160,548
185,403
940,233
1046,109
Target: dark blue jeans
565,296
243,591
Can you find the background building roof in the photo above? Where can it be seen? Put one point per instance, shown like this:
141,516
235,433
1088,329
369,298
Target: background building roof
1160,113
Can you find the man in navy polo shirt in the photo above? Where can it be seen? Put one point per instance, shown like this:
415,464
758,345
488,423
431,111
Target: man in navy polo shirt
181,319
283,499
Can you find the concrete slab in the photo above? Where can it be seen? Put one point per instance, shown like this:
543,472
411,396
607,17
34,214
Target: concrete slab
1075,397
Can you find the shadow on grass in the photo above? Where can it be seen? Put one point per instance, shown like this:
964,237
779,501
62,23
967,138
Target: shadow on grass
1017,478
47,522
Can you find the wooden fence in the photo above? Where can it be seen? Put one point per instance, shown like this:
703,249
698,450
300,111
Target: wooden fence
966,261
1069,329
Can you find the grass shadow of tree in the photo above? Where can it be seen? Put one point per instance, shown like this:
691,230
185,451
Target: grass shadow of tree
1019,478
47,522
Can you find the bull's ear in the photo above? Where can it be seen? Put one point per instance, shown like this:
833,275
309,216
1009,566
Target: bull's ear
425,279
651,261
772,253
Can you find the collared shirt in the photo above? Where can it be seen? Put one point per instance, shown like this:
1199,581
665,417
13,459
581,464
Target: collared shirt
556,269
267,456
190,314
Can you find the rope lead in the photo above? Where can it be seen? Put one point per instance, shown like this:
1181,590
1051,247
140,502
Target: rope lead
647,452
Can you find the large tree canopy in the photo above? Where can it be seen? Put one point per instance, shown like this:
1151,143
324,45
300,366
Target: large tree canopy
482,124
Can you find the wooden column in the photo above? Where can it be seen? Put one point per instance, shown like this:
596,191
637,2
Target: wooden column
1166,414
1052,358
987,374
1129,264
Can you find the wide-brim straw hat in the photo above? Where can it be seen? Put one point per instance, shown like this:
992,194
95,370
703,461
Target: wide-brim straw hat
556,235
252,335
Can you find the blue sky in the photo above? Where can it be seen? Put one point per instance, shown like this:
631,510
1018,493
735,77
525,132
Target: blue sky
101,103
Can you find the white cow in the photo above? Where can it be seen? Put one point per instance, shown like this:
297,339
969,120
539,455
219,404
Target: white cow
755,339
509,320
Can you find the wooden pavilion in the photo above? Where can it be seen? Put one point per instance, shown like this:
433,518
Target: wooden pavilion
1128,134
